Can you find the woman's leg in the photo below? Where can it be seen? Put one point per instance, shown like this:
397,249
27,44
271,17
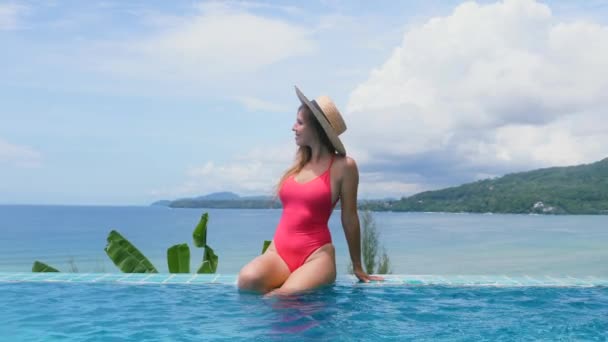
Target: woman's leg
264,273
318,270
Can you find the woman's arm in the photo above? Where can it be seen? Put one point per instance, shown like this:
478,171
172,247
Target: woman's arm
350,218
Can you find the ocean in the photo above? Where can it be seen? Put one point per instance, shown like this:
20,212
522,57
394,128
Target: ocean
72,238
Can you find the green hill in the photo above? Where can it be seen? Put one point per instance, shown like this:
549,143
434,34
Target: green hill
223,200
227,204
581,189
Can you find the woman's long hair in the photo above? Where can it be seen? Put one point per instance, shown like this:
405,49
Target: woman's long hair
304,153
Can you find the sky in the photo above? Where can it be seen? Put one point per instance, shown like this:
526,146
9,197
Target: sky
129,102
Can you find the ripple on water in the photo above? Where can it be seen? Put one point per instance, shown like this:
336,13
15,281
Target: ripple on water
60,311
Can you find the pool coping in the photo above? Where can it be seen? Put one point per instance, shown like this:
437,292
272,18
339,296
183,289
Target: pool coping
344,280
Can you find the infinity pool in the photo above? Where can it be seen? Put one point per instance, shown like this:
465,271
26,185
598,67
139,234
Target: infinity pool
45,307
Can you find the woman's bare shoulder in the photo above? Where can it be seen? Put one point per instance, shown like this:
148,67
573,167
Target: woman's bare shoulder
347,164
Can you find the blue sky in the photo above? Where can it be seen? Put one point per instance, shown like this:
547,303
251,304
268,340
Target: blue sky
114,102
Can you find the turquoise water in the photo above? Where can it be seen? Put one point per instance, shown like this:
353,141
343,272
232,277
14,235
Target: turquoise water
103,312
461,259
418,243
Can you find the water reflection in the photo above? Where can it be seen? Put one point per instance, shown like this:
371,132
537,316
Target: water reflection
303,315
306,314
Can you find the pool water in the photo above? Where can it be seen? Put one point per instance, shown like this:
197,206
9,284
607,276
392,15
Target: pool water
98,311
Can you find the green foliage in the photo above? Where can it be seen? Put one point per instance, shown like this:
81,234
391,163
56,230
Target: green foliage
178,258
200,232
130,260
72,264
370,246
126,256
369,241
42,267
265,246
581,189
384,265
210,260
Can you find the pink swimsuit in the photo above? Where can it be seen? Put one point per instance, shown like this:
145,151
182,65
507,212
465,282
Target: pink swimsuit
303,225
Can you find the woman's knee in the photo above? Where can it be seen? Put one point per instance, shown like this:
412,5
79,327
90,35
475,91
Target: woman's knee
263,274
249,279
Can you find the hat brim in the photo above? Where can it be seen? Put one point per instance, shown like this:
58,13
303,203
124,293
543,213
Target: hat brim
331,134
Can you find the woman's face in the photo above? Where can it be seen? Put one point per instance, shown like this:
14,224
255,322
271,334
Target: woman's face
304,130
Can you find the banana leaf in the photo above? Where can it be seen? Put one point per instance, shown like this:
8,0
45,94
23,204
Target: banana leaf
42,267
126,256
265,247
210,261
178,258
200,232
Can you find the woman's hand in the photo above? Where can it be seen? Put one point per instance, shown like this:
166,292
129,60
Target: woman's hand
364,277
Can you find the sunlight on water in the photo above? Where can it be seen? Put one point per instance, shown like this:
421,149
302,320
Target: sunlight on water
60,311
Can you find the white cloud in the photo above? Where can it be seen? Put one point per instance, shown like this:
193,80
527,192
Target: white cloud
18,155
256,104
373,185
258,171
489,88
254,173
251,5
9,15
218,43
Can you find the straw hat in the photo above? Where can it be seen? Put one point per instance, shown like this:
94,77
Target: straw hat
328,116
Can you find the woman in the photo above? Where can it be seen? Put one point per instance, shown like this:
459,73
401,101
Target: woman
301,256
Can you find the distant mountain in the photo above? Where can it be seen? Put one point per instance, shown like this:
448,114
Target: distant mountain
581,189
162,203
219,196
223,200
